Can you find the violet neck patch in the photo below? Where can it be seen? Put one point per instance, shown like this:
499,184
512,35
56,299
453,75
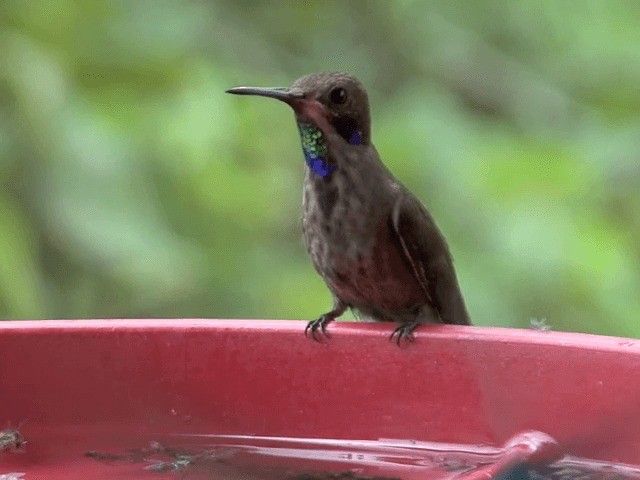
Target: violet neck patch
355,138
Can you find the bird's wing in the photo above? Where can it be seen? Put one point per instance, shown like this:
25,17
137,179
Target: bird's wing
426,251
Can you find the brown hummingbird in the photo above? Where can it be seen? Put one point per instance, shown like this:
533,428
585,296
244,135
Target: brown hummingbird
374,244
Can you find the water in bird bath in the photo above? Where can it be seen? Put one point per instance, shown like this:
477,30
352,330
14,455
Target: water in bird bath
100,452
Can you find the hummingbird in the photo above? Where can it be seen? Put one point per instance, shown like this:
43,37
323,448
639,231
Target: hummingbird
375,245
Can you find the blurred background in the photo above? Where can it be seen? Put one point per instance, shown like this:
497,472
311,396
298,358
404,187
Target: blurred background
133,186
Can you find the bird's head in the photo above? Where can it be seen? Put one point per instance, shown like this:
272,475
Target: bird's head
331,102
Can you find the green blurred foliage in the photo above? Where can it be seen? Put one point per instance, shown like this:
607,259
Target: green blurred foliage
132,186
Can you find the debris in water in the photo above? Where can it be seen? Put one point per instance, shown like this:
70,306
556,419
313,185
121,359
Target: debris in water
11,476
163,458
12,440
348,475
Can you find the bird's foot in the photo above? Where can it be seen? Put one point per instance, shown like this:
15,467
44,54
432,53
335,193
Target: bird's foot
404,331
319,324
322,322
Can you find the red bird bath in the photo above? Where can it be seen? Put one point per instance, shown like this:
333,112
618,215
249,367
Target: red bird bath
240,399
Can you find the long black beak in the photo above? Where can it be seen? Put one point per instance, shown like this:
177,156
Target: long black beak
279,93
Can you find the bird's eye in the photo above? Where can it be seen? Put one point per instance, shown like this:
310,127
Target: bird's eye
338,96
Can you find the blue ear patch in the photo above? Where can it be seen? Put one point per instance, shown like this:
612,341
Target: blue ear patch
356,138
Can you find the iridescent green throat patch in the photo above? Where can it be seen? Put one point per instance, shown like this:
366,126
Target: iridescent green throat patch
315,149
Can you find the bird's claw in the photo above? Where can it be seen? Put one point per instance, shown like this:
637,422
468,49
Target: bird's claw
403,331
319,323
